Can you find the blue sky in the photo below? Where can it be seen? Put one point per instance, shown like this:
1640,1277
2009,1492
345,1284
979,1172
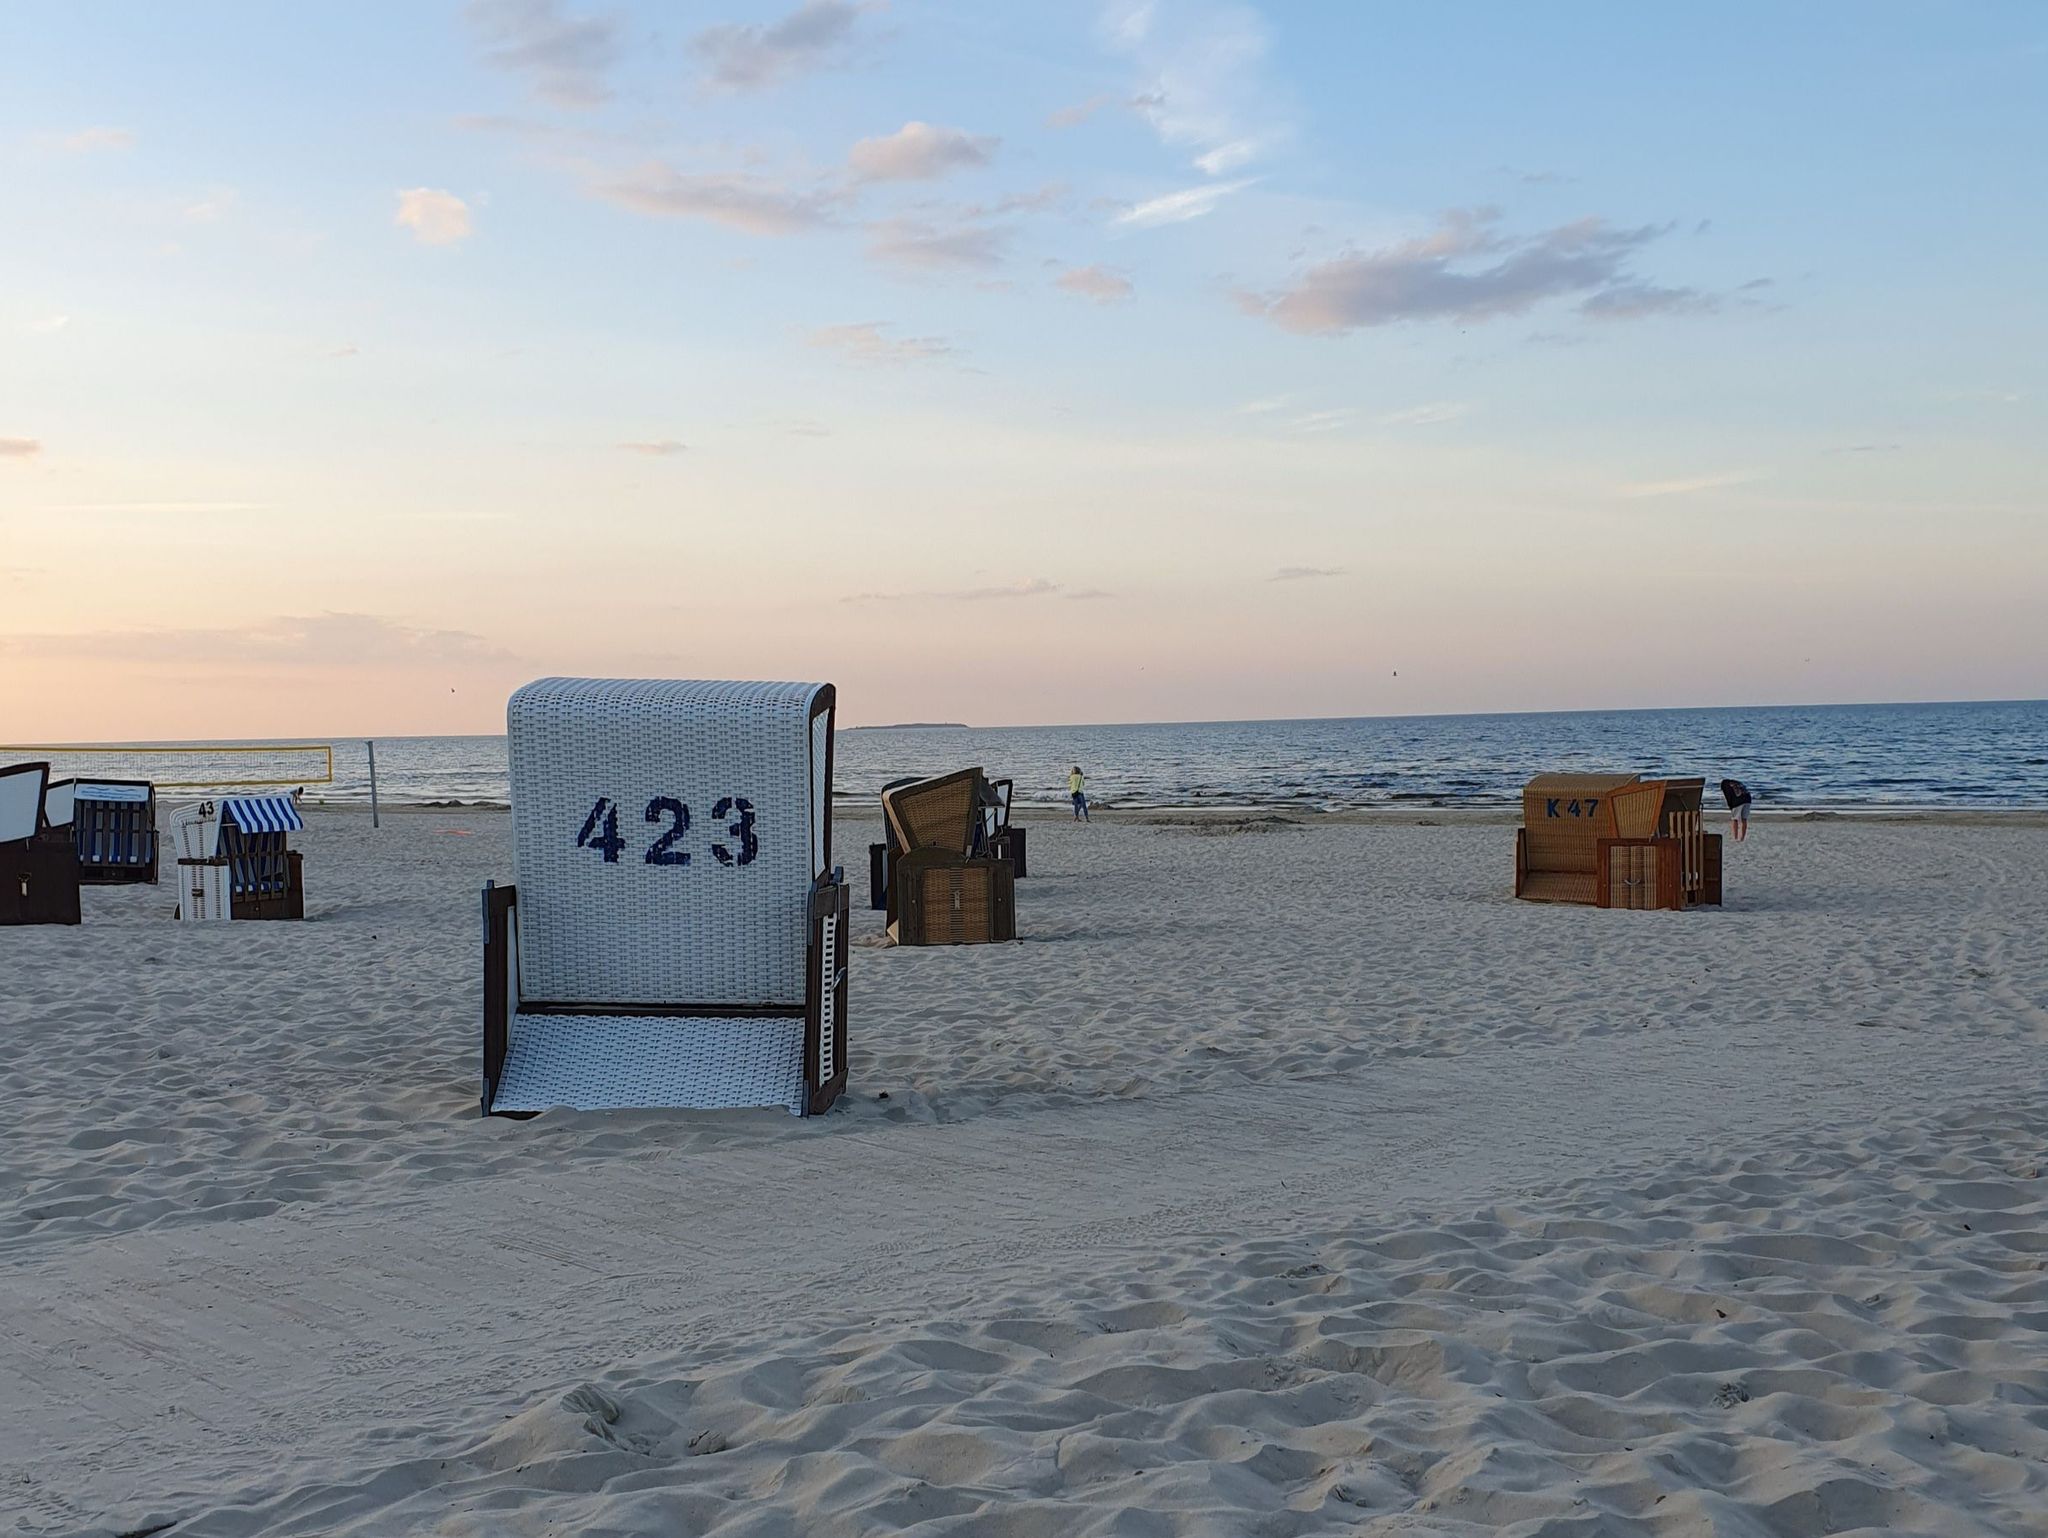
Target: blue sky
1017,363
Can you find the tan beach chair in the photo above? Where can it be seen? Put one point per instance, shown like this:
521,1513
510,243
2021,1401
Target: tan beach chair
677,933
1615,841
940,891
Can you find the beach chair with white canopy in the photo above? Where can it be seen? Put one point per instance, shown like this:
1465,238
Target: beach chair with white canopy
676,935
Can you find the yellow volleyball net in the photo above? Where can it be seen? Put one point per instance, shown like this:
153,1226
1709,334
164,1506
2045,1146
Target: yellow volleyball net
196,765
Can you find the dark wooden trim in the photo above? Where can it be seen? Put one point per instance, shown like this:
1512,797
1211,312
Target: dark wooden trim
290,903
1521,860
1710,869
659,1011
826,701
831,903
498,903
878,877
38,881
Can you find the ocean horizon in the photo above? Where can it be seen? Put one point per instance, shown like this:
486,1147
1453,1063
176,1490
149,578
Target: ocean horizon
1938,754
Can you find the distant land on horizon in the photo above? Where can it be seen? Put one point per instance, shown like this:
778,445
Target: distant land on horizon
912,726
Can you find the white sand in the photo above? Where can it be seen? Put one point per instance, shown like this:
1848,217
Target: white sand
1283,1181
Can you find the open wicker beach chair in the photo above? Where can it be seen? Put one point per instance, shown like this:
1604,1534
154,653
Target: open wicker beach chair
941,892
38,871
677,932
1615,841
113,826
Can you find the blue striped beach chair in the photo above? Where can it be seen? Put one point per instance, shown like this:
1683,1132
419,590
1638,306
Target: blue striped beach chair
266,879
113,828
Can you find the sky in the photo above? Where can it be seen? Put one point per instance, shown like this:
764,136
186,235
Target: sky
999,363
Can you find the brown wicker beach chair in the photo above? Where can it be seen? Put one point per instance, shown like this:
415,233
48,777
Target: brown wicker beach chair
1615,841
940,891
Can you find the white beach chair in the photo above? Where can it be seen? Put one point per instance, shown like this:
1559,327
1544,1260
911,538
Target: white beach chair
677,932
202,869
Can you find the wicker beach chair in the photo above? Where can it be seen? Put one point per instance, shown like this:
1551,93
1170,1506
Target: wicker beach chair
677,932
1615,841
38,871
1659,856
233,861
114,830
266,878
940,891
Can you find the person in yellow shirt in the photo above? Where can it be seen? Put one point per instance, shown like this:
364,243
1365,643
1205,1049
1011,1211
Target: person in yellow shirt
1077,783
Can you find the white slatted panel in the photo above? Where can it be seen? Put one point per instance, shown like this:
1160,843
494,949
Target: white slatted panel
626,931
828,1033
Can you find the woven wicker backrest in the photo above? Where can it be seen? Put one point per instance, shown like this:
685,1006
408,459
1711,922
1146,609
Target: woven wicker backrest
666,835
1566,816
1638,809
938,813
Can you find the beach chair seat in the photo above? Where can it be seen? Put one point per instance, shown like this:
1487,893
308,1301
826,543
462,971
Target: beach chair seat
38,870
675,935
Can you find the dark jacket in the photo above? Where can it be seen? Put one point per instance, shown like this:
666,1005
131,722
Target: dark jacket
1737,793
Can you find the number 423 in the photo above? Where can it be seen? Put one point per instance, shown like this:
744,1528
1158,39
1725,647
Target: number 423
601,831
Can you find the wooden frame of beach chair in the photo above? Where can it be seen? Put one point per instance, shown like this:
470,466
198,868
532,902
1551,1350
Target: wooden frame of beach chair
38,870
114,828
945,899
649,954
1001,839
1639,873
1670,809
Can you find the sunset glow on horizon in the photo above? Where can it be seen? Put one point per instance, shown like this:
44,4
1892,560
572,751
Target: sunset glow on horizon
1072,363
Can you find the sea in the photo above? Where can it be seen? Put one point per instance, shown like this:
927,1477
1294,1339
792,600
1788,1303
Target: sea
1984,754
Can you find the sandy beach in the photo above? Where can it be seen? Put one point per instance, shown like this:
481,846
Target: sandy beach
1287,1177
